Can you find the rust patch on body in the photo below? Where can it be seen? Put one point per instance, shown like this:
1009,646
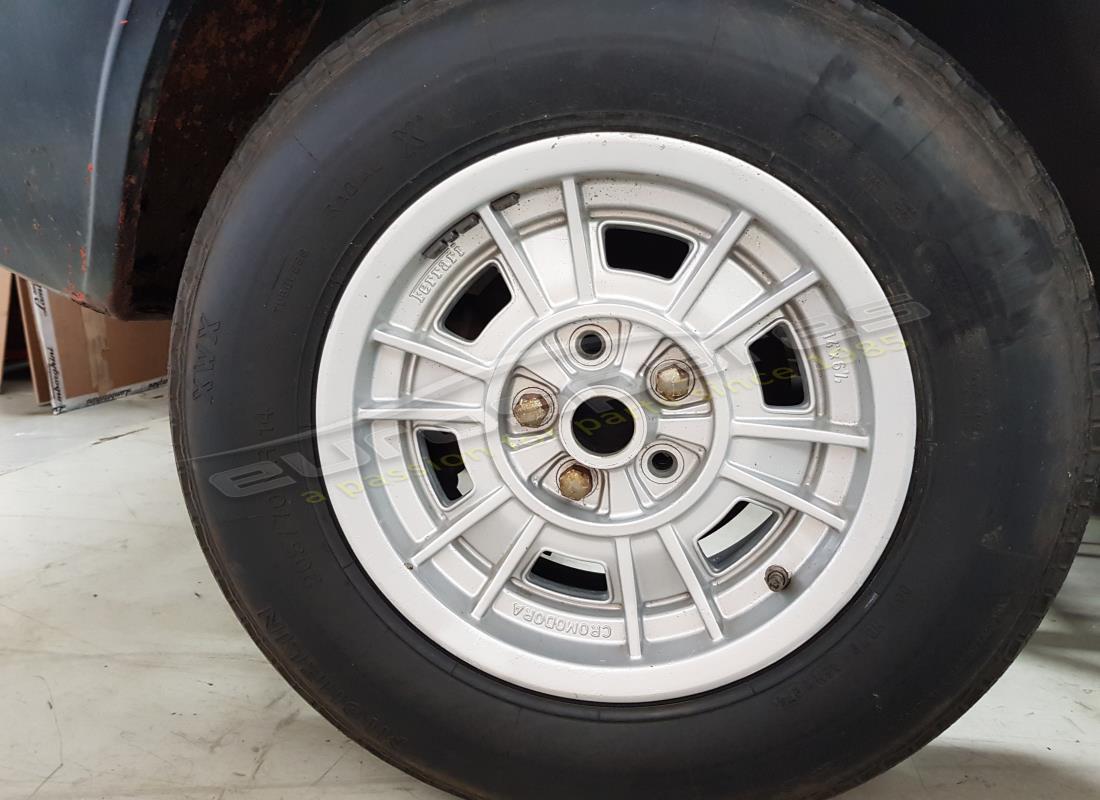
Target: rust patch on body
221,65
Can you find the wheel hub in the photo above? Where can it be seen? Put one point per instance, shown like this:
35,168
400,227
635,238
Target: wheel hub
615,434
611,420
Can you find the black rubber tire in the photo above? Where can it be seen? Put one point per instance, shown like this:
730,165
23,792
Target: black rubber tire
840,100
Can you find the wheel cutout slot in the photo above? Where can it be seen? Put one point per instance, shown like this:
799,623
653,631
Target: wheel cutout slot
483,298
738,532
574,577
779,368
444,465
661,255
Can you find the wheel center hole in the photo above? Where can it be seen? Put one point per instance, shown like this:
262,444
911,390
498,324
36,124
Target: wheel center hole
603,425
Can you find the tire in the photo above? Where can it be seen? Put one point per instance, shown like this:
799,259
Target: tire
881,132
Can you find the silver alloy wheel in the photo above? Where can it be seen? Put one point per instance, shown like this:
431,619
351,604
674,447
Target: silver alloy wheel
650,612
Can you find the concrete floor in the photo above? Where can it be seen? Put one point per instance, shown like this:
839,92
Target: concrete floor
124,674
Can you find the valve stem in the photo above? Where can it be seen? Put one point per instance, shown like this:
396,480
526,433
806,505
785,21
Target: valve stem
777,578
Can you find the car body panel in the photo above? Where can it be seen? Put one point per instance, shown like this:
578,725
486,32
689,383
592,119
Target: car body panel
120,116
71,77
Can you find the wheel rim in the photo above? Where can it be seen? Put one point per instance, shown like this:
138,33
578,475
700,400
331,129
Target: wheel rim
575,553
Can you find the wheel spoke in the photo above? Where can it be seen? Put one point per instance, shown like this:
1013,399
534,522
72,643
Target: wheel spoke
515,260
792,432
507,566
433,350
772,490
622,496
422,411
577,222
532,453
716,253
549,364
455,528
645,493
637,346
762,308
628,584
699,595
690,428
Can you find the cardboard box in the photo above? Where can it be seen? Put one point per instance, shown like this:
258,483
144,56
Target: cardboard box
7,302
30,338
80,358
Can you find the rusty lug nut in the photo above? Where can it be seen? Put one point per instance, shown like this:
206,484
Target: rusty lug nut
532,410
576,483
672,380
777,578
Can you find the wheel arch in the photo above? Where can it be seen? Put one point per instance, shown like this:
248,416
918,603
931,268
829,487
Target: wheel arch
228,58
213,71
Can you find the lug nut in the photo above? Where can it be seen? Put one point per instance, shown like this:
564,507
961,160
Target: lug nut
777,578
576,483
532,409
672,380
